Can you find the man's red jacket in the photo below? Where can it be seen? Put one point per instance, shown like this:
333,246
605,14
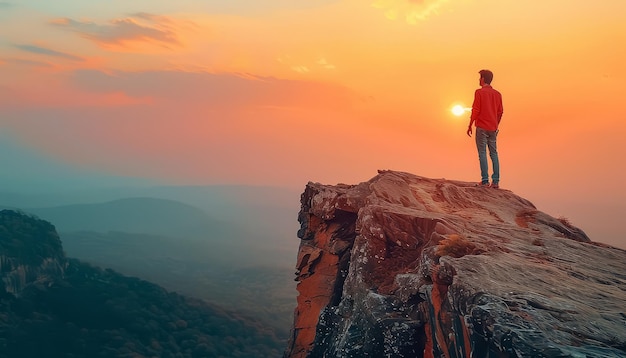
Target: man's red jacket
487,108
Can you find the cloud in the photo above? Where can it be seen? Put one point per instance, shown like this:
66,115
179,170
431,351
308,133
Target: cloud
413,11
48,52
310,66
5,5
142,27
301,69
22,62
323,62
217,90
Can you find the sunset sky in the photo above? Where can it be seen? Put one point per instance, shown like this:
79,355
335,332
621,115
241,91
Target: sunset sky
282,92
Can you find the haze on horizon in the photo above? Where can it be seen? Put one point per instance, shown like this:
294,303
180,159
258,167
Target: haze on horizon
280,93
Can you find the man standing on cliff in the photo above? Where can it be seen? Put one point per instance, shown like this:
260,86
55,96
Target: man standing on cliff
487,113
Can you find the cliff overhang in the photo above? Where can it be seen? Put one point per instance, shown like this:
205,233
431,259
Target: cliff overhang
407,266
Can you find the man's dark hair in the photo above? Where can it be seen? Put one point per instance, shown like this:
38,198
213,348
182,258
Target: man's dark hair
486,75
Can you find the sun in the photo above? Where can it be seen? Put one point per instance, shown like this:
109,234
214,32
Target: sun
458,110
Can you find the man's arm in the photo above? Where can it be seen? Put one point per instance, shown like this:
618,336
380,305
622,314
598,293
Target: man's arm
500,109
469,128
475,112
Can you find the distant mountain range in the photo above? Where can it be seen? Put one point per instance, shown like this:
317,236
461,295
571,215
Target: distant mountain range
259,219
231,245
134,215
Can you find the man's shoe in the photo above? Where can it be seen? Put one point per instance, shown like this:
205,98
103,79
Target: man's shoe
495,185
484,184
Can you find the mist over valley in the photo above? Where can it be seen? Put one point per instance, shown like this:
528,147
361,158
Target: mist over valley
232,246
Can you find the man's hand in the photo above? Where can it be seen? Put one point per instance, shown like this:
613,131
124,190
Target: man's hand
469,131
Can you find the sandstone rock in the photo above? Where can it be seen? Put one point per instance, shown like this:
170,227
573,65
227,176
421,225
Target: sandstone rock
406,266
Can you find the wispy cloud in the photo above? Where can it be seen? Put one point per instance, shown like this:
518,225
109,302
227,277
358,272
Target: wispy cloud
48,52
413,11
23,62
306,66
300,69
215,90
141,27
323,62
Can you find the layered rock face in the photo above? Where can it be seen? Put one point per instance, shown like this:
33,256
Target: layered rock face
31,252
406,266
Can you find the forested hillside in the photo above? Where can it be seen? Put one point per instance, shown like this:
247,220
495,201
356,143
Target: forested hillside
99,313
51,306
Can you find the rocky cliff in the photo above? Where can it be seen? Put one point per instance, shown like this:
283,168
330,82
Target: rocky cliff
30,252
406,266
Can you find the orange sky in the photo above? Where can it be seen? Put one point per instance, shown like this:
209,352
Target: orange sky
282,92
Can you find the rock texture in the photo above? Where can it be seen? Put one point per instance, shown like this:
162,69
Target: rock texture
31,252
406,266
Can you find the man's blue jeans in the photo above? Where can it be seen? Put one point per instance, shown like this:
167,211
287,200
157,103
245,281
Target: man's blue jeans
484,139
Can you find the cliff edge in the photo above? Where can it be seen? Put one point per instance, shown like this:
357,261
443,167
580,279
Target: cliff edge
407,266
30,252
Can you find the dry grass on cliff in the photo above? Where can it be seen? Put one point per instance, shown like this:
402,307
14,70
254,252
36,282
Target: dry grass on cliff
525,216
565,221
456,246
